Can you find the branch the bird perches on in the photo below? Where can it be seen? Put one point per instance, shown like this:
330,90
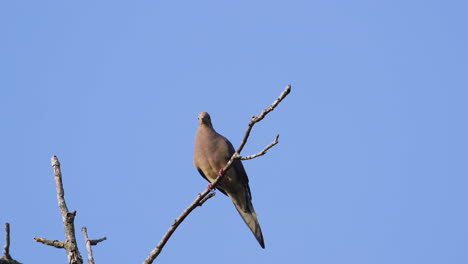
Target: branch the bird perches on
203,197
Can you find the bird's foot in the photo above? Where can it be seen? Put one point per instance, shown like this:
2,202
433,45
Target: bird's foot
210,186
221,172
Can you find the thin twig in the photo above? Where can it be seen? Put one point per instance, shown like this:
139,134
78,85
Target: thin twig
263,152
206,198
68,218
96,241
155,252
6,249
6,258
256,119
89,243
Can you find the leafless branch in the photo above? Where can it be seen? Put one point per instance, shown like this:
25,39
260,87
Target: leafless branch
89,243
206,198
68,219
94,242
256,119
6,258
6,249
201,197
264,151
53,243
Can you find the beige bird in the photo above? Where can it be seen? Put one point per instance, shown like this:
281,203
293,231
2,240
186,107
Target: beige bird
212,152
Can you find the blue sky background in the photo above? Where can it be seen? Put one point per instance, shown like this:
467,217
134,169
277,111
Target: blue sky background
372,161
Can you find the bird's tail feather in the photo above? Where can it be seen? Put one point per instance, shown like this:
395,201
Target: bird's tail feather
247,213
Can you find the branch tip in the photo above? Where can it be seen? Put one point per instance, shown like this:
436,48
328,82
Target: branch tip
54,161
206,198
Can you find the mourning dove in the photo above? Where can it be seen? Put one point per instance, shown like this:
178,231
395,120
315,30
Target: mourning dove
212,152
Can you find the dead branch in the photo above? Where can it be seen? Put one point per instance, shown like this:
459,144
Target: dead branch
6,249
89,243
206,198
201,197
53,243
6,258
68,218
263,152
256,119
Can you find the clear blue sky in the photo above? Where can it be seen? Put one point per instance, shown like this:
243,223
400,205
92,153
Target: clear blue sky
372,161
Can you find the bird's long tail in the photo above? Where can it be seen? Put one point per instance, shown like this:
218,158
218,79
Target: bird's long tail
247,213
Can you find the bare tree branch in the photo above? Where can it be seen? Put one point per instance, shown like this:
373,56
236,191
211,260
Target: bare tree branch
256,119
94,242
6,249
206,198
201,197
53,243
68,219
6,258
263,152
89,243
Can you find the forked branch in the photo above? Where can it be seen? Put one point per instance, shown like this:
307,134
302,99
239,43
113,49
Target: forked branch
89,243
202,197
68,218
263,152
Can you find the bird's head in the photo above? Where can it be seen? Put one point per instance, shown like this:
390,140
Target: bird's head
204,119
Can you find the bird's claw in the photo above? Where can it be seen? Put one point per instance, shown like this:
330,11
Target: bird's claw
210,186
220,174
